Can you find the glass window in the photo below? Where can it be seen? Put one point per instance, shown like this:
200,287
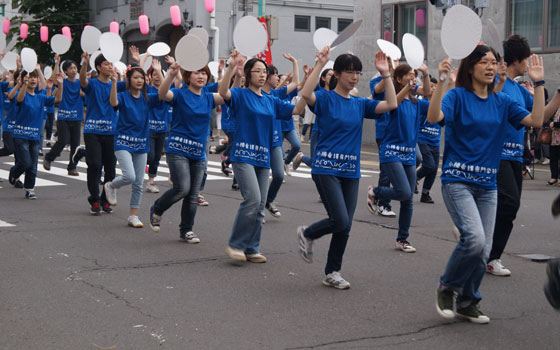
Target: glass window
302,23
343,23
322,22
554,23
536,20
387,32
404,18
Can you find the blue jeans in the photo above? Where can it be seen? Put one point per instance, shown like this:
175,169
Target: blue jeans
157,142
403,178
339,196
430,163
277,167
186,175
247,227
308,160
294,141
383,181
203,183
26,153
133,166
418,156
473,211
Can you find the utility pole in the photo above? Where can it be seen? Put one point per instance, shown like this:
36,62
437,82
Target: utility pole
262,4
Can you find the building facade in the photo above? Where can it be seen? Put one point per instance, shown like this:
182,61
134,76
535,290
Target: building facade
537,20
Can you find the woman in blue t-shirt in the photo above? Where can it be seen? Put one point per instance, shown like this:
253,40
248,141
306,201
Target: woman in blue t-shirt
336,166
27,128
397,155
131,141
475,120
255,113
186,145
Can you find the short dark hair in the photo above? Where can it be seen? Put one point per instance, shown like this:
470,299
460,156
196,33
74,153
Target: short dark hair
249,65
67,65
187,74
271,70
516,48
464,77
129,76
401,70
99,61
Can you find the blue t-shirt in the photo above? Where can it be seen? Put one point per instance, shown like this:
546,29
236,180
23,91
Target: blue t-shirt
474,135
340,122
71,108
160,114
228,122
399,141
255,116
210,87
4,87
514,141
189,125
282,94
381,123
288,125
132,133
29,118
101,118
10,106
430,134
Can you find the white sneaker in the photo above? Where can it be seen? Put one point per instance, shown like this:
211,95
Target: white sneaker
496,268
235,254
383,211
152,188
405,246
334,279
133,221
287,169
110,193
546,161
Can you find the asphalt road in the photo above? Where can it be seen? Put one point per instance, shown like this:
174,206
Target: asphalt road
70,280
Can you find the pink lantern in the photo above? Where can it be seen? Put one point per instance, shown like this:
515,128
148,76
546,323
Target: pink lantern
388,35
175,12
66,32
6,26
23,30
114,27
144,23
210,5
420,18
44,34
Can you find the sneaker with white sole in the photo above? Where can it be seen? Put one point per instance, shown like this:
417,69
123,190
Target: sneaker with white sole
297,161
405,246
155,220
236,254
152,188
287,169
256,258
385,211
473,314
444,303
305,245
201,201
133,221
334,279
190,237
110,193
496,268
30,194
371,200
274,211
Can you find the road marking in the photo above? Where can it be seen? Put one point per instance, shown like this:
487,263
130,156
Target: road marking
5,224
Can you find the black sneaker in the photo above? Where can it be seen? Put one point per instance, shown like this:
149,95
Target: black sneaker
154,220
225,169
425,198
46,164
271,207
106,208
79,153
473,314
444,304
30,194
552,286
18,184
95,209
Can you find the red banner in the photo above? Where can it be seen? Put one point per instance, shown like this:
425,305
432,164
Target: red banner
266,54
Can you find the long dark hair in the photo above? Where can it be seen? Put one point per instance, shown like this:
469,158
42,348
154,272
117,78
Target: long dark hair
129,76
464,75
399,73
323,76
247,69
344,62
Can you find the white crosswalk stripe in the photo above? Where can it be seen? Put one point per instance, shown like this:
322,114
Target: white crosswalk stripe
6,224
58,171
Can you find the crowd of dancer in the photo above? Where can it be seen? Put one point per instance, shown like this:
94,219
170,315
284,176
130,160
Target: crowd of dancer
132,118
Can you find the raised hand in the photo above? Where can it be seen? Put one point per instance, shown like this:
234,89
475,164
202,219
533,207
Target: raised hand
536,68
424,69
444,68
381,63
57,59
221,65
156,65
134,53
59,79
85,58
502,71
289,57
529,86
453,75
50,84
169,60
173,69
324,55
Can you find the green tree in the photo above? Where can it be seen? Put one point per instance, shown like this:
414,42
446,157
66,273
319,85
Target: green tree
55,14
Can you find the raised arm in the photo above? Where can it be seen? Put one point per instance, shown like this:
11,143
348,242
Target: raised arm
17,87
113,99
83,70
23,90
60,81
134,54
502,76
164,93
56,69
223,85
307,93
42,81
435,115
536,73
390,101
425,90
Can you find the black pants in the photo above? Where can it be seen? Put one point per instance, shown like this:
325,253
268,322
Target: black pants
49,123
68,133
157,142
99,153
554,157
510,181
8,144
